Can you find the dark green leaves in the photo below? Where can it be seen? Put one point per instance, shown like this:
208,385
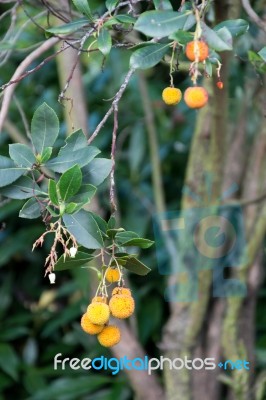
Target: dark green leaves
70,182
8,171
97,171
148,56
85,229
21,155
220,40
31,209
68,28
161,23
128,238
131,263
67,262
83,7
76,151
104,41
44,128
52,192
236,27
23,188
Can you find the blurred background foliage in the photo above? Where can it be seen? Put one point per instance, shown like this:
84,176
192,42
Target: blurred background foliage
38,320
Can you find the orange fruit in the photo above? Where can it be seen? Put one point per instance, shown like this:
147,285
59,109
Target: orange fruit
89,327
197,46
171,96
196,97
112,274
122,306
220,85
109,336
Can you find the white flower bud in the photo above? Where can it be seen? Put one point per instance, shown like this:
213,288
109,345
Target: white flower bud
73,251
52,277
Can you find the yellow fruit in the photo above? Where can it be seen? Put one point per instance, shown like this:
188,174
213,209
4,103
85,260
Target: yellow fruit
197,46
121,290
122,306
112,275
196,97
99,299
171,95
98,313
89,327
109,336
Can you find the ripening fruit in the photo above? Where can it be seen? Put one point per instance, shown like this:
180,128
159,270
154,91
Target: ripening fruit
122,306
121,290
191,49
109,336
196,97
220,85
98,313
112,275
171,96
89,327
99,299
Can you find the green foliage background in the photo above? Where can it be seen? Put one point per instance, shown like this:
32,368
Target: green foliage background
37,320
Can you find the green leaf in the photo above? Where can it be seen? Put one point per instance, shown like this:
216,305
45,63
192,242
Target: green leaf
85,194
125,236
83,7
162,5
161,23
52,212
9,361
97,171
262,53
21,155
148,56
52,191
69,27
84,228
111,232
72,207
66,160
112,222
125,19
80,259
139,242
213,39
31,209
22,189
208,67
132,264
235,26
182,37
44,128
100,222
226,36
46,154
76,141
9,172
111,4
70,182
104,41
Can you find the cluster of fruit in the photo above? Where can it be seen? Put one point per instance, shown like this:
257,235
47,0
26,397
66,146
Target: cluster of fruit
195,96
121,305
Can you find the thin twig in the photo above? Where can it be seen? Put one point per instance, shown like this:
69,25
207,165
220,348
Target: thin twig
10,87
115,102
113,150
253,15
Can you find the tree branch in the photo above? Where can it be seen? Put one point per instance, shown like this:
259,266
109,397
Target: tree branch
253,15
17,75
